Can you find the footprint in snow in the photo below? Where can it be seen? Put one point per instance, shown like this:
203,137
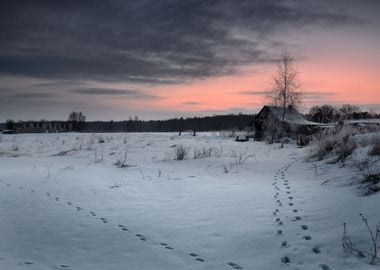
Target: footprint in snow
291,204
78,208
316,250
287,187
56,199
47,194
284,244
69,203
8,185
304,227
279,232
295,210
32,190
285,260
288,192
290,198
142,237
104,220
28,262
307,237
62,266
93,214
297,218
324,266
235,265
193,254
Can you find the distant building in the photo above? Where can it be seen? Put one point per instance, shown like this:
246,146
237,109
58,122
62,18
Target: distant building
268,122
43,126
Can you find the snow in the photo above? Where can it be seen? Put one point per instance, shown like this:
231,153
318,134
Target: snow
65,205
292,116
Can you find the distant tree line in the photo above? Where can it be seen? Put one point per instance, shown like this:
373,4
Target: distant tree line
195,124
328,114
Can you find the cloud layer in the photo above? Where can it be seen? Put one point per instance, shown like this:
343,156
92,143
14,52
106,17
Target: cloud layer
146,41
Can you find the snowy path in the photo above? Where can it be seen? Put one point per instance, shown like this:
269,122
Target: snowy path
269,213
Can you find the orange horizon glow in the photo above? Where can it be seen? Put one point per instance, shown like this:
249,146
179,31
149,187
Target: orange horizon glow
334,84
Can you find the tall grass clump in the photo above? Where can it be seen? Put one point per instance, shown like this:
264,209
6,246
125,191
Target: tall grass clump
336,143
180,152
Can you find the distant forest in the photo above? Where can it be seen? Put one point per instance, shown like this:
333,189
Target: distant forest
210,123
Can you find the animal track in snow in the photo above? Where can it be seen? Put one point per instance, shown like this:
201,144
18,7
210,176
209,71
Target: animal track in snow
69,203
78,208
324,266
284,244
285,260
56,199
93,214
235,265
104,220
307,237
316,250
304,227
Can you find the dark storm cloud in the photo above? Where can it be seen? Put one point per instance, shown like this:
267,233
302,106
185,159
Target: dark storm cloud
144,41
32,95
134,94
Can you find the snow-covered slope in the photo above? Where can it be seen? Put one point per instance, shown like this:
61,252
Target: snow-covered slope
65,205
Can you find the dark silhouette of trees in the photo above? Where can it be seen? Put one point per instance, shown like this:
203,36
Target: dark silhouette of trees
78,120
323,114
10,124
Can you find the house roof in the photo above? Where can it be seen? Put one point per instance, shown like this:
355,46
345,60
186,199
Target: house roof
292,116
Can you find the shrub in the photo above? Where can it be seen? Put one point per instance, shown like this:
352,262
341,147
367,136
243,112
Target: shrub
122,161
238,158
375,150
204,152
336,142
374,234
180,152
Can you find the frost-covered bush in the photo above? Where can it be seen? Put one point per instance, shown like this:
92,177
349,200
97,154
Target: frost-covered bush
375,146
180,152
238,158
338,143
204,152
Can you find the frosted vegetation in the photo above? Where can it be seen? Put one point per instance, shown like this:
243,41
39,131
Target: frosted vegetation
163,201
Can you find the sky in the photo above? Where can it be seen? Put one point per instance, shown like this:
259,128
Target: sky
174,58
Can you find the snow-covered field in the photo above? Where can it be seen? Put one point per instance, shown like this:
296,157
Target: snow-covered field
65,205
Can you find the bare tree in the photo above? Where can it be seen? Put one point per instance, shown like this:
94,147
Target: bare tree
285,90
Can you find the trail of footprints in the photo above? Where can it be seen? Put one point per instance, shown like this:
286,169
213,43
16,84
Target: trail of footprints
282,187
143,238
